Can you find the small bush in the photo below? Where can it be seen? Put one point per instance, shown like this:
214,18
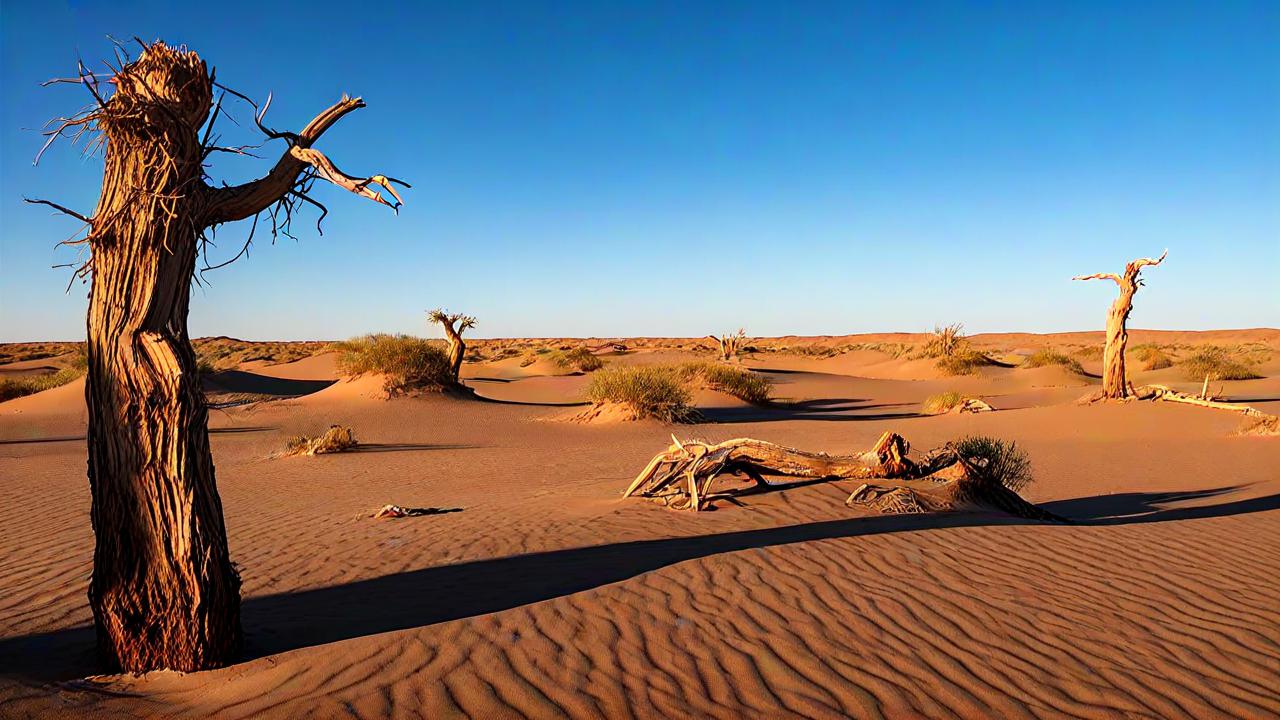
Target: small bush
1045,357
964,363
943,402
1003,461
11,388
946,341
738,382
1216,363
651,391
1090,352
409,363
1152,357
579,358
336,439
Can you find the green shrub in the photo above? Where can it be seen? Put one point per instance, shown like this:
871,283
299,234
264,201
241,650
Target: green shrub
652,391
942,402
1003,461
1152,357
1046,356
579,358
738,382
409,363
11,388
964,363
1217,363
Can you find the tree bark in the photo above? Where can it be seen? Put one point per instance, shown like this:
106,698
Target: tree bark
164,592
1115,381
457,348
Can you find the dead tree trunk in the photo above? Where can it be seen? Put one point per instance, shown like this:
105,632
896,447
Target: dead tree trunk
1115,383
164,592
454,325
730,345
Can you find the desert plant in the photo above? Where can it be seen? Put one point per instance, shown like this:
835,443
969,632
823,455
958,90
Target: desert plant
11,388
454,325
1152,357
1115,384
1215,363
942,402
1048,356
334,440
946,341
1090,352
409,363
730,345
650,391
738,382
966,362
1003,461
579,358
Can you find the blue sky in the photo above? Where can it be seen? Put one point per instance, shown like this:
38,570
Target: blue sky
653,168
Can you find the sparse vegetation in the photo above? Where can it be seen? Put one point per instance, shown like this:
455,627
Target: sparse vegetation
650,391
1152,357
1216,363
579,359
1090,352
738,382
409,363
964,363
1048,356
947,341
334,440
942,402
1003,461
11,388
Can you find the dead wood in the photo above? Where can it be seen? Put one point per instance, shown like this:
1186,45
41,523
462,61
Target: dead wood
683,475
1115,383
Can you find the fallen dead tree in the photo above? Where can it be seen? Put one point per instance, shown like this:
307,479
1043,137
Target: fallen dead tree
958,476
1164,393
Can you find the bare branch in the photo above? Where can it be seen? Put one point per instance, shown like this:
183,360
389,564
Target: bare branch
1143,262
1099,276
60,209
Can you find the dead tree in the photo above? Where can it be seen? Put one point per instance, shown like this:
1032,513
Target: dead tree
454,325
164,592
1115,384
730,345
946,479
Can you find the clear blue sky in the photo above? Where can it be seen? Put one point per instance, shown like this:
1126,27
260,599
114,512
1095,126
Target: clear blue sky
653,168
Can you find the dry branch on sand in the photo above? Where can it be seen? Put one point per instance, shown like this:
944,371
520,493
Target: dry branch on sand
970,473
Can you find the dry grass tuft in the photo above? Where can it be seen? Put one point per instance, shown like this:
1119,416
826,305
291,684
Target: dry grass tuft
1003,461
966,362
1152,357
579,359
1217,363
1046,356
943,402
650,391
409,363
334,440
738,382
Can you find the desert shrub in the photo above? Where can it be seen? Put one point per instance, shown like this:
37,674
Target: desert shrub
653,391
1003,461
1152,357
409,363
1090,352
738,382
334,440
11,388
578,358
1046,356
946,341
1217,363
964,363
942,402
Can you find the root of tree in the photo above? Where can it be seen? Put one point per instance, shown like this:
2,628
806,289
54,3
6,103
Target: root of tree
683,476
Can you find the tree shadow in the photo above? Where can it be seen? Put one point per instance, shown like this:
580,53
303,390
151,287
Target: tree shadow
417,598
834,410
403,447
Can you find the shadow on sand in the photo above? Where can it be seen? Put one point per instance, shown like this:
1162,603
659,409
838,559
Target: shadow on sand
415,598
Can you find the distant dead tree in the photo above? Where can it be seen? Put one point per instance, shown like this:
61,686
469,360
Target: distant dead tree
164,592
454,325
1115,384
730,345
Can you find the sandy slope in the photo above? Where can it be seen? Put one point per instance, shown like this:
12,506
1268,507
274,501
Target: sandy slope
545,595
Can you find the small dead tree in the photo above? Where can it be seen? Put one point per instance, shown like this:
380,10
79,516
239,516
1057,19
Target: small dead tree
454,325
164,592
730,345
1115,384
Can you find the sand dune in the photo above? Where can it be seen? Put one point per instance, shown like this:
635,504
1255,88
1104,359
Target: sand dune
545,595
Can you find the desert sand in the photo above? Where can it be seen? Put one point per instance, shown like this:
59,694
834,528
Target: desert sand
541,593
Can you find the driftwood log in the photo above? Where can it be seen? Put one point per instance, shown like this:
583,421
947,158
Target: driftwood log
682,476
